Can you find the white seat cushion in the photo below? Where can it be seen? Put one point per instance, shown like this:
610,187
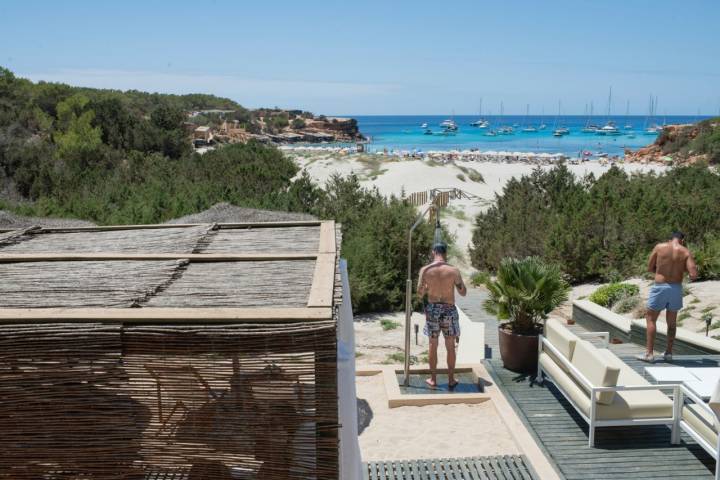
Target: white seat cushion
596,369
701,421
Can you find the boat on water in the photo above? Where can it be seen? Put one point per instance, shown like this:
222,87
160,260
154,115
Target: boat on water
491,133
653,130
528,127
609,129
628,125
427,131
481,122
424,125
449,125
561,130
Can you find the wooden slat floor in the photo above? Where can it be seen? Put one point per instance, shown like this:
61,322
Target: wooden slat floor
506,467
620,452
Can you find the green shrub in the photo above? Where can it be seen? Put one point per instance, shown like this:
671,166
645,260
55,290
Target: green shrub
626,304
608,295
707,258
460,177
475,176
479,278
388,324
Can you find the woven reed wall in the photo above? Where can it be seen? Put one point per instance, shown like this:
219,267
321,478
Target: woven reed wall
204,402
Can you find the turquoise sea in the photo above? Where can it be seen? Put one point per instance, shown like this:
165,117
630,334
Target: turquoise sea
404,132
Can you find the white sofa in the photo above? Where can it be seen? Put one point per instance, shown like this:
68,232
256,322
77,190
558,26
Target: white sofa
601,387
700,422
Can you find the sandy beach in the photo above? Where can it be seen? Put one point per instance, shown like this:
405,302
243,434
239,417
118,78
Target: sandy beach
396,175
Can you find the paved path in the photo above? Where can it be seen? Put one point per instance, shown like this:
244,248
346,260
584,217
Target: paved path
472,305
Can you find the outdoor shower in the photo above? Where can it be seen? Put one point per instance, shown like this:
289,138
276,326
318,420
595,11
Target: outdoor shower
437,238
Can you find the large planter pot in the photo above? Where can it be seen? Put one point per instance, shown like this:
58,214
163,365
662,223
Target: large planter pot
519,353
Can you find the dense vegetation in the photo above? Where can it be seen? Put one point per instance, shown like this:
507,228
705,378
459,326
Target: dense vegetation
600,228
114,158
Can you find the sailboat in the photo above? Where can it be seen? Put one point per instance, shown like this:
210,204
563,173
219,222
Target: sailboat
653,129
481,123
628,125
590,127
542,122
610,128
559,131
528,128
504,130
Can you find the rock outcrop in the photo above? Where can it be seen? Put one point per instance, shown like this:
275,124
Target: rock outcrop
675,145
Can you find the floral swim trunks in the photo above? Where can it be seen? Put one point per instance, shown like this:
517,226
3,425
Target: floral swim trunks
441,317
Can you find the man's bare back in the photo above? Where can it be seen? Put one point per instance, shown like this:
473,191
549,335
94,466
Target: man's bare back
439,280
669,261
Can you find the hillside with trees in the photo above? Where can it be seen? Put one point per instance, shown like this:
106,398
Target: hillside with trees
124,157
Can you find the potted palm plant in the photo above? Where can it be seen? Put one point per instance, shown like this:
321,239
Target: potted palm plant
523,293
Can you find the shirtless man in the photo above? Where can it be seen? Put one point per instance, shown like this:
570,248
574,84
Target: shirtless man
668,261
438,281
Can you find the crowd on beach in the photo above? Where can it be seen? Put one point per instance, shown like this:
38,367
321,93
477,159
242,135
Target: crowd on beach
446,156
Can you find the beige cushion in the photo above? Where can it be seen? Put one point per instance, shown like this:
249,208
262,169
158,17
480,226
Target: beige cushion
624,406
595,368
627,376
560,337
700,421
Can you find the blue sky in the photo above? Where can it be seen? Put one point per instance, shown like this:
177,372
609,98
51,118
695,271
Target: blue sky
380,57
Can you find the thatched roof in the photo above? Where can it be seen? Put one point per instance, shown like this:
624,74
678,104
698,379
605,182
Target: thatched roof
249,265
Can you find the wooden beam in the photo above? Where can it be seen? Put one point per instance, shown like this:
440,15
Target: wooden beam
323,283
192,257
107,228
162,315
327,237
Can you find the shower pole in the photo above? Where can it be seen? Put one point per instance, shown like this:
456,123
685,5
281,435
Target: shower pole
408,288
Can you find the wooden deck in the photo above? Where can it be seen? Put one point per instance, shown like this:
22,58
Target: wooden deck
506,467
620,452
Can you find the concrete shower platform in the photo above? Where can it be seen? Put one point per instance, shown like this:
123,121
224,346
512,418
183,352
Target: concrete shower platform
473,380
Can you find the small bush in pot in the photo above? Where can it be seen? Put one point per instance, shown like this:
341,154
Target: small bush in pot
522,294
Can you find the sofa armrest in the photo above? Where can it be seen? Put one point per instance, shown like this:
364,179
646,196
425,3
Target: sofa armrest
588,335
627,388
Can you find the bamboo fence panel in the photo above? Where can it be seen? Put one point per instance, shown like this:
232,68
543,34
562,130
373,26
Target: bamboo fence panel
94,401
303,239
281,284
83,284
164,240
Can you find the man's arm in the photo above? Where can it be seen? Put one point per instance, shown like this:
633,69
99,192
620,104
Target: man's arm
421,285
461,288
691,266
652,263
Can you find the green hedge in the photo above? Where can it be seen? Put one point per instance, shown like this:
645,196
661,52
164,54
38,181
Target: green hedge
608,295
